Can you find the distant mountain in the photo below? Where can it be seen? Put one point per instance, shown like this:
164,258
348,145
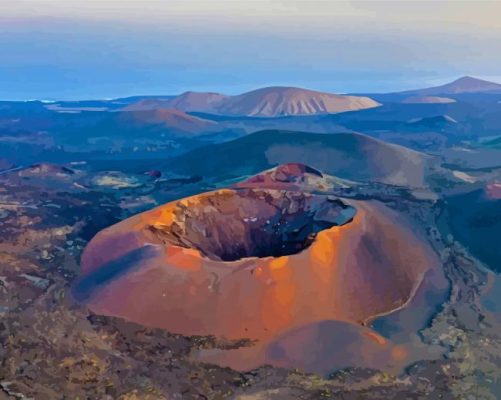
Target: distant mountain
177,122
347,155
265,102
147,104
466,84
197,101
280,101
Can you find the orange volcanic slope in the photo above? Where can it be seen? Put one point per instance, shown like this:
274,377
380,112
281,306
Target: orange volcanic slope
161,268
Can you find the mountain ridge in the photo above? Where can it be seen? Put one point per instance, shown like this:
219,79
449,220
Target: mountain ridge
464,84
273,101
347,155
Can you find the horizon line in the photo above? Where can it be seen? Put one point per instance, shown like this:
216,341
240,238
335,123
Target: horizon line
97,98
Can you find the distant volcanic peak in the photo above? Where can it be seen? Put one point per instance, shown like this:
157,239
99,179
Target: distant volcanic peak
187,101
468,84
287,91
173,119
283,101
231,225
465,84
269,102
354,157
197,101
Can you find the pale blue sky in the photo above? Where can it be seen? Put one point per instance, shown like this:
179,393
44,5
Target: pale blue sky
73,49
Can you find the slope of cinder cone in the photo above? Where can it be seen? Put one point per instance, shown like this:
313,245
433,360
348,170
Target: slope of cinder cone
320,347
253,263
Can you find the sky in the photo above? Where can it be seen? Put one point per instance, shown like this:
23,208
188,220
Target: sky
92,49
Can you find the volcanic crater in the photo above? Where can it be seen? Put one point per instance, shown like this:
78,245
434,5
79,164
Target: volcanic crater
228,226
272,253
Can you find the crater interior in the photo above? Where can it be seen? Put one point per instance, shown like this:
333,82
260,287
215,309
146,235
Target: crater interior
235,224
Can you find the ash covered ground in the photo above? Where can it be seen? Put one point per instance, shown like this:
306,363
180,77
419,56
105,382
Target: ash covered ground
54,348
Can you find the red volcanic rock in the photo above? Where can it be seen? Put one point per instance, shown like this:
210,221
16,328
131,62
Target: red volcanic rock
254,262
290,172
286,173
293,176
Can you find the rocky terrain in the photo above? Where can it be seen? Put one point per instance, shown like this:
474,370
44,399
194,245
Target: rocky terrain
55,348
